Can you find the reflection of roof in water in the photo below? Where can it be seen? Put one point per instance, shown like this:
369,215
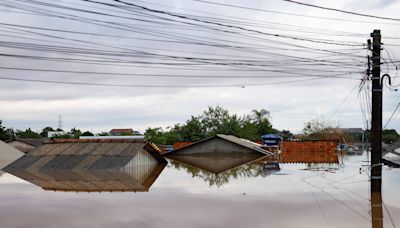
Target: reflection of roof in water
137,178
217,163
91,166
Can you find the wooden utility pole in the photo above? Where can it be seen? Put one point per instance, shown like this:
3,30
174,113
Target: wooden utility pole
376,132
376,125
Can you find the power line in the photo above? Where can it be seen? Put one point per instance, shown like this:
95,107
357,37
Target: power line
218,24
391,116
173,75
154,86
292,14
342,11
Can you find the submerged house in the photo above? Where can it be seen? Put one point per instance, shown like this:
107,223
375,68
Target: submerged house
221,144
219,153
91,165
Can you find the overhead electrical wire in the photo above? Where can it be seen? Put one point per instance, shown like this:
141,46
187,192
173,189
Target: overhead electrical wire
245,49
391,116
342,11
291,14
240,85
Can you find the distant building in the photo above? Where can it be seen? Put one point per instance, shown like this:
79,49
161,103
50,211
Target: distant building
51,134
26,145
123,131
127,137
351,130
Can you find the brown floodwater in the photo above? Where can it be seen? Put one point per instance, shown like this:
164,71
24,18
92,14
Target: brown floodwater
182,195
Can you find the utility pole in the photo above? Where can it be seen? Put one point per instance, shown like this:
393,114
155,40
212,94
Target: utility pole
376,132
376,126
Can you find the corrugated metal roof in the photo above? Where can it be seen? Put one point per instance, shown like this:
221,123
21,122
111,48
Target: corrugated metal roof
64,162
84,165
111,162
245,143
230,138
32,141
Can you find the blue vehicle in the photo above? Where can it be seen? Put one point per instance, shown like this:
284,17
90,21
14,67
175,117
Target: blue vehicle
271,140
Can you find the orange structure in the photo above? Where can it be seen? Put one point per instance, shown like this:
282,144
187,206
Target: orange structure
309,151
179,145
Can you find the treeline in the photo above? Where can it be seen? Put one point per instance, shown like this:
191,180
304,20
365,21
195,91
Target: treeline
217,120
7,134
322,129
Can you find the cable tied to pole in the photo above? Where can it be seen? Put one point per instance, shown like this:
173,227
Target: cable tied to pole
388,77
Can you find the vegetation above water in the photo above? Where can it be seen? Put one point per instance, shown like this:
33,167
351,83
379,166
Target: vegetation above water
216,120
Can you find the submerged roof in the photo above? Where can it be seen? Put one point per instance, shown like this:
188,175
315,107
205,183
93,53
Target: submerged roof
230,138
8,154
31,141
80,159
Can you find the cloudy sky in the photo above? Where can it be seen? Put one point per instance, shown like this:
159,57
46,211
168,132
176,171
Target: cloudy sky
104,64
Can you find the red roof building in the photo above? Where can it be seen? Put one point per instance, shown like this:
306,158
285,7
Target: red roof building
121,131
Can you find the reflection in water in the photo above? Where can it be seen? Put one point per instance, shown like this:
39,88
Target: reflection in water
376,197
376,210
217,169
134,178
305,196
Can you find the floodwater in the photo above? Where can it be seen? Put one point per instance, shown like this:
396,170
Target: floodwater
183,195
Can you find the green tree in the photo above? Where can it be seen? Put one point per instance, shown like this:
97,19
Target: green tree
261,118
87,133
28,133
75,133
6,134
192,130
45,130
155,135
390,136
214,120
64,136
286,134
